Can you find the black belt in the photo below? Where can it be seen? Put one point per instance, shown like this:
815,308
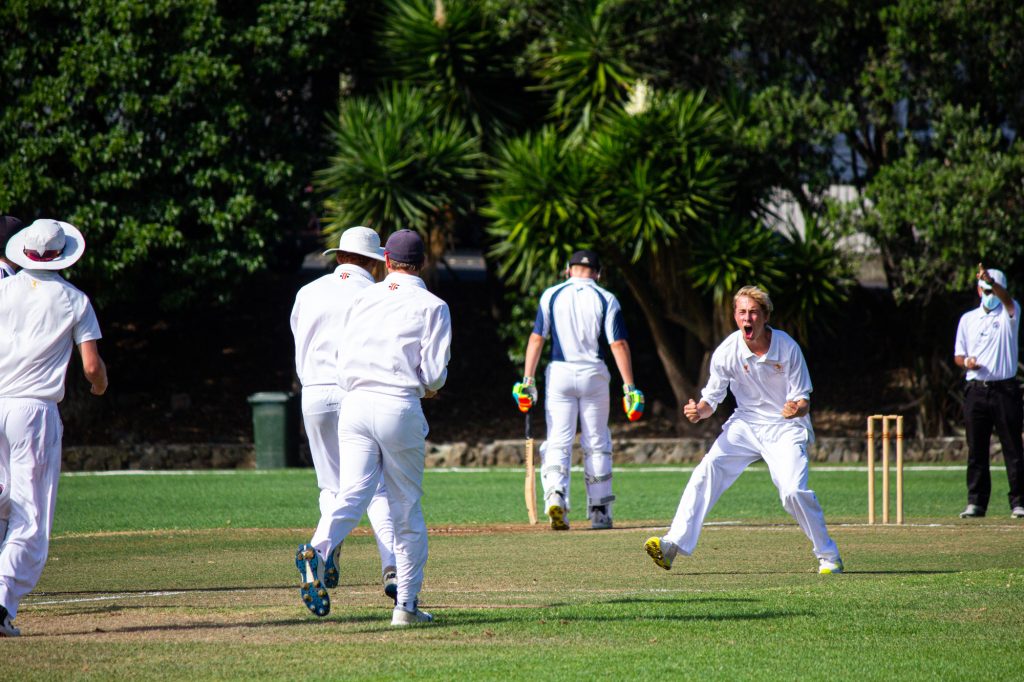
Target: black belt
997,382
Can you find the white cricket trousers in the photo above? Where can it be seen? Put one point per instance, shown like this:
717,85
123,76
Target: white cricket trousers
30,444
577,392
784,449
321,409
381,435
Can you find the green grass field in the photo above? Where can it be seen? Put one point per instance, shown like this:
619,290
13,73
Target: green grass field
191,577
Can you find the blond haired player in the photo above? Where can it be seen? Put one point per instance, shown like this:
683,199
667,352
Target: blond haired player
42,317
765,370
316,322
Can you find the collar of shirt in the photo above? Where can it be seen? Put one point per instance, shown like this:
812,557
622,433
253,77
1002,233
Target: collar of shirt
353,270
405,278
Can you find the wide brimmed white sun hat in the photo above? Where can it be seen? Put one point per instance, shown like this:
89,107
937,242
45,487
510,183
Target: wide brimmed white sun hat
46,244
359,240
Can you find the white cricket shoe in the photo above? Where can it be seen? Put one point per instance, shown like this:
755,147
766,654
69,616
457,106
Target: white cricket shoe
1017,513
600,519
401,618
827,567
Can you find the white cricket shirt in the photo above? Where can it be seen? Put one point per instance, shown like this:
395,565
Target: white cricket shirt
42,316
992,338
316,321
575,314
6,270
761,385
397,339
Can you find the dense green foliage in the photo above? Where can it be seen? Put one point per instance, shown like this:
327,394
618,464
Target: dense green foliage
179,135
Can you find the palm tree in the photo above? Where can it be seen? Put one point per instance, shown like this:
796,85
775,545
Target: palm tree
400,161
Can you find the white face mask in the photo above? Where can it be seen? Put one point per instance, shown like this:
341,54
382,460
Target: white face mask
989,301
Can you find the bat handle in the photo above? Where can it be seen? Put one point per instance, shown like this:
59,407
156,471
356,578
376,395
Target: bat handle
528,430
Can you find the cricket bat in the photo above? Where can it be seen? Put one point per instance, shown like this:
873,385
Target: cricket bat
530,489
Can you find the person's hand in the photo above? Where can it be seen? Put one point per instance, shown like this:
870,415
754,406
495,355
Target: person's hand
983,275
632,402
429,394
692,411
790,409
525,394
971,362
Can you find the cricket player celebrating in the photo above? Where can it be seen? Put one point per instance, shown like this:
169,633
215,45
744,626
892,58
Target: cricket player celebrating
575,314
41,317
319,308
394,352
765,370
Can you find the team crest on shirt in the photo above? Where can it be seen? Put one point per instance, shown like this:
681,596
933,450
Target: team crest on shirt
393,286
779,369
344,275
746,369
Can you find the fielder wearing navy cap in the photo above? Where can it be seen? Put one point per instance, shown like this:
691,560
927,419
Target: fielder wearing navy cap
586,257
405,246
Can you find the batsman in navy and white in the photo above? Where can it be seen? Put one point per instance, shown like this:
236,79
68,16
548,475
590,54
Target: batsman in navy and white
42,318
576,314
765,370
316,321
394,353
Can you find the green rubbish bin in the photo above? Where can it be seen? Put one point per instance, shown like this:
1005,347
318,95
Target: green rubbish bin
275,426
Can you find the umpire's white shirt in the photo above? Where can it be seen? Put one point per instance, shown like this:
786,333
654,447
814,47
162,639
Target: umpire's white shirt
42,316
575,314
761,385
992,338
317,316
397,339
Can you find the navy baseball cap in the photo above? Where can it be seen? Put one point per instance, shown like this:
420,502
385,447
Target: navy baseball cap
8,226
586,257
405,246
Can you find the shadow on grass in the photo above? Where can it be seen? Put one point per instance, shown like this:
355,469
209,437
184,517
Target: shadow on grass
191,626
155,591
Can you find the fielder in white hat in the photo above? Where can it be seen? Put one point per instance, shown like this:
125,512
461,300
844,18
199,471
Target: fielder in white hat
317,323
394,352
43,316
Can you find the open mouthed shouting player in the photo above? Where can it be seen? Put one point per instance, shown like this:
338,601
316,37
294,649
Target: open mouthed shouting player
576,314
319,308
765,370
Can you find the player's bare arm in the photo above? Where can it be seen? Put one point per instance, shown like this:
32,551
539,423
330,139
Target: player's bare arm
623,360
793,409
93,367
533,348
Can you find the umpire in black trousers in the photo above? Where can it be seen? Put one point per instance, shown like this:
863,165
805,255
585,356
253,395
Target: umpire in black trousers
987,344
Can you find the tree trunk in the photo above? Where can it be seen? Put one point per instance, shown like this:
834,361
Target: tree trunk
682,387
